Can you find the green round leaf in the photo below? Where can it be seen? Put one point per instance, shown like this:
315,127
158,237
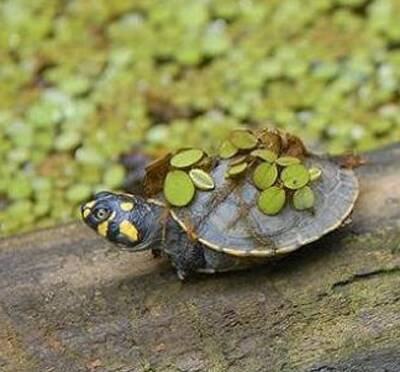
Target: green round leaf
237,159
272,200
41,208
243,139
114,176
178,188
78,192
201,179
67,140
303,198
315,173
227,150
265,154
295,176
186,158
19,188
236,169
285,161
265,175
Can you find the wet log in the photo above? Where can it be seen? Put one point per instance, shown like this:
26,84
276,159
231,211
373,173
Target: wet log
71,302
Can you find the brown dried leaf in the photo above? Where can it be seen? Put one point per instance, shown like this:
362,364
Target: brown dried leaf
207,163
351,161
271,140
293,146
156,172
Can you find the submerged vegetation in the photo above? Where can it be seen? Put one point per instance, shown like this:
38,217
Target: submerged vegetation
84,81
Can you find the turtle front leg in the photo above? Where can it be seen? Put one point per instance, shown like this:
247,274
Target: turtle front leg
186,255
187,258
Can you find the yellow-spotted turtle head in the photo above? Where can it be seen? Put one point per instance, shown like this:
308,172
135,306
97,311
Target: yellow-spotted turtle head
123,219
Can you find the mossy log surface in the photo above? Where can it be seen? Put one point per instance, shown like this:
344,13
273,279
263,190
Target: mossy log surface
70,302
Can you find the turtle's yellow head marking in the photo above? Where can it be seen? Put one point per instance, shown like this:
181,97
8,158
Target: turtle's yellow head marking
124,219
90,204
87,208
102,228
127,229
126,206
86,212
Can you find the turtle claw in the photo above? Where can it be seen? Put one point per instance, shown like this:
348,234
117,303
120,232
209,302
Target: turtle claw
181,275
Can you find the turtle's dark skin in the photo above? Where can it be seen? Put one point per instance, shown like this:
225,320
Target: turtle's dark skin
223,229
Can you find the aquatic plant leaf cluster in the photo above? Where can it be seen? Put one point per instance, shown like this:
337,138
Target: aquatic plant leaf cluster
277,174
278,183
182,180
84,81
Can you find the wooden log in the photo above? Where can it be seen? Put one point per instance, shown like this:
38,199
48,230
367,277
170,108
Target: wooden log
71,302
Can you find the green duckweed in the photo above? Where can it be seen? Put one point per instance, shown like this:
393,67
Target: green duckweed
303,198
178,188
88,82
315,173
264,154
227,150
243,139
236,170
265,175
295,176
201,179
285,161
271,201
186,158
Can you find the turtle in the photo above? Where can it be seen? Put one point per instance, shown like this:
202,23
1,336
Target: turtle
229,222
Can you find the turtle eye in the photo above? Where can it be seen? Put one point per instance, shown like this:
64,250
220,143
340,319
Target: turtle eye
101,214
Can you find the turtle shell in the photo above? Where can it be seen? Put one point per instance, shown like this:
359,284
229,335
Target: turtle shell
228,220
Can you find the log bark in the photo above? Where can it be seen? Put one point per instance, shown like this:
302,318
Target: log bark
71,302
